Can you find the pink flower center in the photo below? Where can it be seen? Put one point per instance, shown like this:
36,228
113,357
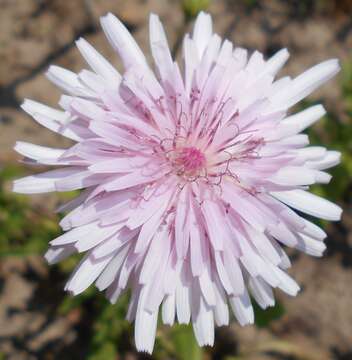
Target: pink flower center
189,160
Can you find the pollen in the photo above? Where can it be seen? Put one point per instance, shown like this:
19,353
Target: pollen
189,160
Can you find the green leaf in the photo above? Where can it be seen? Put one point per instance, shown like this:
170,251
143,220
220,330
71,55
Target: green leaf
192,7
264,317
185,343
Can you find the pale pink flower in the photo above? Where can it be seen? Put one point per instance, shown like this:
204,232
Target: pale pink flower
190,177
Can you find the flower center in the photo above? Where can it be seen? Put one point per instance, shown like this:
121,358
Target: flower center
189,161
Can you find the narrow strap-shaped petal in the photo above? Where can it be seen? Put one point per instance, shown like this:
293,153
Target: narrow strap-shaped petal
242,308
276,62
202,32
42,154
202,319
305,118
183,295
86,273
168,310
310,204
110,273
98,63
53,119
81,232
331,159
44,182
159,46
191,60
305,84
67,81
145,325
262,292
58,253
221,311
122,41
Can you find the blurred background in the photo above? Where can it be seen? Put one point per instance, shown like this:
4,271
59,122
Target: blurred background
37,319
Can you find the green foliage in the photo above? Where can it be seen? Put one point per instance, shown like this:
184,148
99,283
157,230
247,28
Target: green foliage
347,86
184,343
192,7
109,329
264,317
336,134
23,231
250,3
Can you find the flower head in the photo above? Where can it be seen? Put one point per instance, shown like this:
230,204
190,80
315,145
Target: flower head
190,177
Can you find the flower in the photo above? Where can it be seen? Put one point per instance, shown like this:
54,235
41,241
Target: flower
190,179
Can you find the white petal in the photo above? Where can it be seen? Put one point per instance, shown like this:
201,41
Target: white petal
322,177
221,311
296,140
113,293
305,84
191,60
242,308
225,54
234,272
145,325
86,273
78,180
76,234
67,81
294,175
279,85
311,152
75,202
332,158
57,254
262,292
94,81
122,41
287,284
183,296
43,154
87,109
202,33
313,230
310,246
153,257
93,239
50,118
241,56
33,107
114,242
310,204
223,276
132,307
276,62
98,63
285,261
112,270
305,118
168,309
255,62
159,46
207,288
44,182
263,245
203,323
